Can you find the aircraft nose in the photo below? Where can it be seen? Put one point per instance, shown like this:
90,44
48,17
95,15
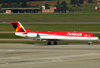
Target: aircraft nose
96,38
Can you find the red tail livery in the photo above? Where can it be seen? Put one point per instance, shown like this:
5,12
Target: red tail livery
17,26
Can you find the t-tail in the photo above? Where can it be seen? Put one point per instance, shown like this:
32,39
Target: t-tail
18,27
20,30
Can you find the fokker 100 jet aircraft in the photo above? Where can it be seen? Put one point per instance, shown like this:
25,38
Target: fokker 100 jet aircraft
53,36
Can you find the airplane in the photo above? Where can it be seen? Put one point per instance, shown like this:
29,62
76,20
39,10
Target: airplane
53,36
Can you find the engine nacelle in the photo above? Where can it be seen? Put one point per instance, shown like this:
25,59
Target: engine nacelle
32,35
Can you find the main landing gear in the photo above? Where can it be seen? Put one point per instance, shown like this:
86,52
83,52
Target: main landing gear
89,43
55,43
49,43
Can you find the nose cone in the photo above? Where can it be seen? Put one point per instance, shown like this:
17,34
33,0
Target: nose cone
96,38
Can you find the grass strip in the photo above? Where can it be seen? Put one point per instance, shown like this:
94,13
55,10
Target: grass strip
42,42
55,27
73,17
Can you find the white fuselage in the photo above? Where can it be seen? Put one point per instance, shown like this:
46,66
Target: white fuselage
55,37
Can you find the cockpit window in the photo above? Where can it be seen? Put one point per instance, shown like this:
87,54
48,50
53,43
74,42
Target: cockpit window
91,35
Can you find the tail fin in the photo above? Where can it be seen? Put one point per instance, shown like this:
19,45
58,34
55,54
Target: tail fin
17,26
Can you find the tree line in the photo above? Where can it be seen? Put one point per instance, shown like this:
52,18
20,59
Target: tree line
78,2
61,6
17,1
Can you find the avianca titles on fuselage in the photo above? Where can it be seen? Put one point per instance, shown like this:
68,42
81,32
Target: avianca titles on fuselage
53,36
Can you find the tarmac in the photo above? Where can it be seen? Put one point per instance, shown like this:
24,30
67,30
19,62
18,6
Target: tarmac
49,56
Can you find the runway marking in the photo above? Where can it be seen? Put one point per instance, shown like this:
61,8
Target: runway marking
7,64
6,50
10,58
95,45
58,59
65,64
11,50
53,58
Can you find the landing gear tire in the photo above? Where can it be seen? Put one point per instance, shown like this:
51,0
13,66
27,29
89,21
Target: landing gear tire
55,43
49,43
89,43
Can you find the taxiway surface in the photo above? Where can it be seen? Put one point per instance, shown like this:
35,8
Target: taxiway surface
44,56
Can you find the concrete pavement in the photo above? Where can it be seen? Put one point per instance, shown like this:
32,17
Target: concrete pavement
44,56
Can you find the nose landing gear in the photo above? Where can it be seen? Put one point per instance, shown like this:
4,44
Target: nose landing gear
89,43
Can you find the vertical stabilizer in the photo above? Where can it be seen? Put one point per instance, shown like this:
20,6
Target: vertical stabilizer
17,26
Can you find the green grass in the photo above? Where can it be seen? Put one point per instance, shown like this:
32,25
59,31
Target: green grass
85,8
55,27
9,36
50,17
42,42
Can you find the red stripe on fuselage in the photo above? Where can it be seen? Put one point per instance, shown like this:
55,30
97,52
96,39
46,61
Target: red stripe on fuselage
69,34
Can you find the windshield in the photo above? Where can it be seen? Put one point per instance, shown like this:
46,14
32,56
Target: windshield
91,35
